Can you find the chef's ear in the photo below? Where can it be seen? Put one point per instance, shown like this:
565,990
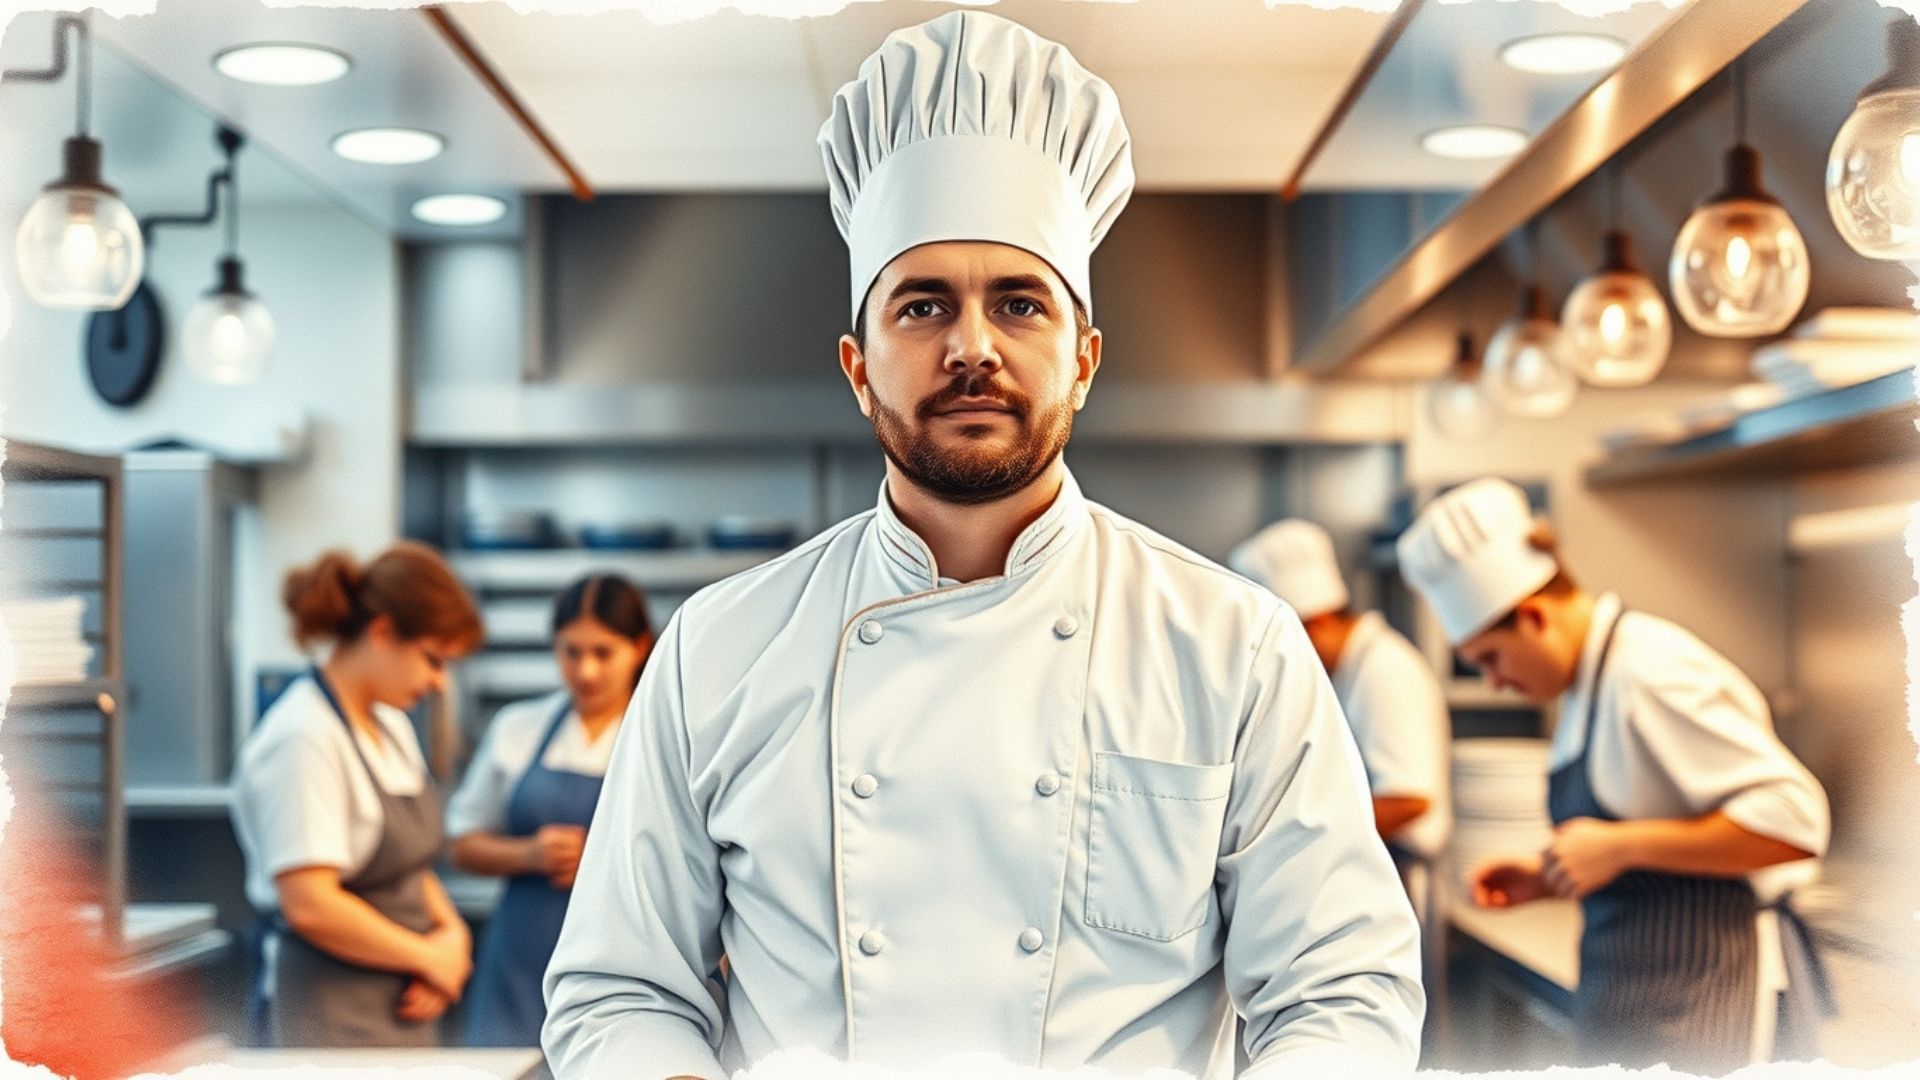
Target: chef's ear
853,364
1088,364
1530,617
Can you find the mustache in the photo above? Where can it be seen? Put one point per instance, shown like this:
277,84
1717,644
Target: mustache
975,385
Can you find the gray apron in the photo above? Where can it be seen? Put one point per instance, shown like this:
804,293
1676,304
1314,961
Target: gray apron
1669,963
321,1000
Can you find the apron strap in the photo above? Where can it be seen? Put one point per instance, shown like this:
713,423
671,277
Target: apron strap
1805,966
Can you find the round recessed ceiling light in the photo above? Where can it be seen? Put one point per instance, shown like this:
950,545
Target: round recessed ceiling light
1563,54
282,65
1474,141
459,209
388,146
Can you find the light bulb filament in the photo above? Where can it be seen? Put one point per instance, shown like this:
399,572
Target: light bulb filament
1613,323
1910,158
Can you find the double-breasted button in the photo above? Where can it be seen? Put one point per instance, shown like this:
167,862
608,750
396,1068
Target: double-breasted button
865,785
872,942
1066,626
870,631
1031,939
1048,783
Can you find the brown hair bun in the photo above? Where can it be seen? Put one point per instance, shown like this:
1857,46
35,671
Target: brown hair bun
335,598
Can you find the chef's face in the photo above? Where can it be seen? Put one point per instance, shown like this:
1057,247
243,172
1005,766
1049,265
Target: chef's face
1524,653
598,664
405,670
971,366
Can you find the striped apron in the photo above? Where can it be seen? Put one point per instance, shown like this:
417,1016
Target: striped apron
1668,962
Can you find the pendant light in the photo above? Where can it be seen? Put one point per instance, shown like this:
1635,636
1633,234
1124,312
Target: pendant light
228,335
1616,328
1457,403
1526,371
78,247
1740,266
1873,170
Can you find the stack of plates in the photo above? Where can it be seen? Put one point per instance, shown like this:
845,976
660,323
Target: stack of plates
1499,801
1840,347
48,645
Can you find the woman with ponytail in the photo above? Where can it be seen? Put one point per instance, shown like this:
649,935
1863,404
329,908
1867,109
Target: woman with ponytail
522,811
338,817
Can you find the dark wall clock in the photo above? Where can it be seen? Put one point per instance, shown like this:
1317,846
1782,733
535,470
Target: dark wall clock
123,348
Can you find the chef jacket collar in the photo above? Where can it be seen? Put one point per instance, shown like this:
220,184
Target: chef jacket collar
1045,537
1367,627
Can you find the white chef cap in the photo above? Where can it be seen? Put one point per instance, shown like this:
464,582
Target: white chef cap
1295,559
1467,554
971,127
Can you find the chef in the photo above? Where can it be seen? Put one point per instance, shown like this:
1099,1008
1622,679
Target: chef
336,814
523,808
1393,702
1388,691
1679,817
988,767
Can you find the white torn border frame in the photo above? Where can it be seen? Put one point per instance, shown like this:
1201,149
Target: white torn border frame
809,1065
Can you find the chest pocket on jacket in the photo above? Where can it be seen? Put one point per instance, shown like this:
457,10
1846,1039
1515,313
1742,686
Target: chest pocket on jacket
1152,840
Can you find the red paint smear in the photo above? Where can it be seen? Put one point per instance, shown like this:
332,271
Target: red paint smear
59,1007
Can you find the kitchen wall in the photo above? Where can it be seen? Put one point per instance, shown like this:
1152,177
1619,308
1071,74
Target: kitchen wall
326,419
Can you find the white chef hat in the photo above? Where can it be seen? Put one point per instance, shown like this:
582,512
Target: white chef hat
971,127
1295,559
1467,554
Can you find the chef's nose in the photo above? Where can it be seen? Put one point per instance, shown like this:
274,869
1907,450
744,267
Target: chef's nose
970,344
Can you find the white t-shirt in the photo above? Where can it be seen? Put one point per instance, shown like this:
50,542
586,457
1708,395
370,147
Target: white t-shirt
1398,713
301,797
506,752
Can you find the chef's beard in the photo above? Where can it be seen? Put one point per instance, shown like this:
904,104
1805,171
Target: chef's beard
972,474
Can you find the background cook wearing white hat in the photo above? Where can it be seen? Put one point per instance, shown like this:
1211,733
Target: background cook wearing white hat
1392,699
1669,792
988,767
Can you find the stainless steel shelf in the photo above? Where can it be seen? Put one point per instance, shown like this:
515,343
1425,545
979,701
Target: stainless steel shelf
87,693
1864,424
549,571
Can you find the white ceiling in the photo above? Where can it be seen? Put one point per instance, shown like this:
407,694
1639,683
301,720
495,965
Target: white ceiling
1219,94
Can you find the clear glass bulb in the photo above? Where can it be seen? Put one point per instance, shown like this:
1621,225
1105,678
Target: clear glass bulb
1460,409
1615,329
228,338
1873,176
79,249
1739,268
1526,371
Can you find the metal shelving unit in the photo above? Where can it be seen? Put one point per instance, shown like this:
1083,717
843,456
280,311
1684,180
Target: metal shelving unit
46,712
1867,423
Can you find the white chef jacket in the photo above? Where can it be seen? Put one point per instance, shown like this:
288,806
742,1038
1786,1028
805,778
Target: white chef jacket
301,797
1078,813
506,753
1398,712
1681,732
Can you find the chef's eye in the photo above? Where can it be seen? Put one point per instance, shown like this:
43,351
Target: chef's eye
921,309
1022,307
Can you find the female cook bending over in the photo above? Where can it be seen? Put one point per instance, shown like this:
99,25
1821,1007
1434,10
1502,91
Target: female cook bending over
522,811
338,818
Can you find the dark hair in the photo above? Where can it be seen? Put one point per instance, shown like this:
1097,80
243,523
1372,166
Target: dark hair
1082,326
337,598
609,599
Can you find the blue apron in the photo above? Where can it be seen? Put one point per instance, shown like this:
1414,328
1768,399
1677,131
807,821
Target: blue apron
505,1007
1668,962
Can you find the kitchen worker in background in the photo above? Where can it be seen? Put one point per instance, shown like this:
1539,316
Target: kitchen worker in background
988,767
1670,794
522,811
1392,701
1388,691
337,815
